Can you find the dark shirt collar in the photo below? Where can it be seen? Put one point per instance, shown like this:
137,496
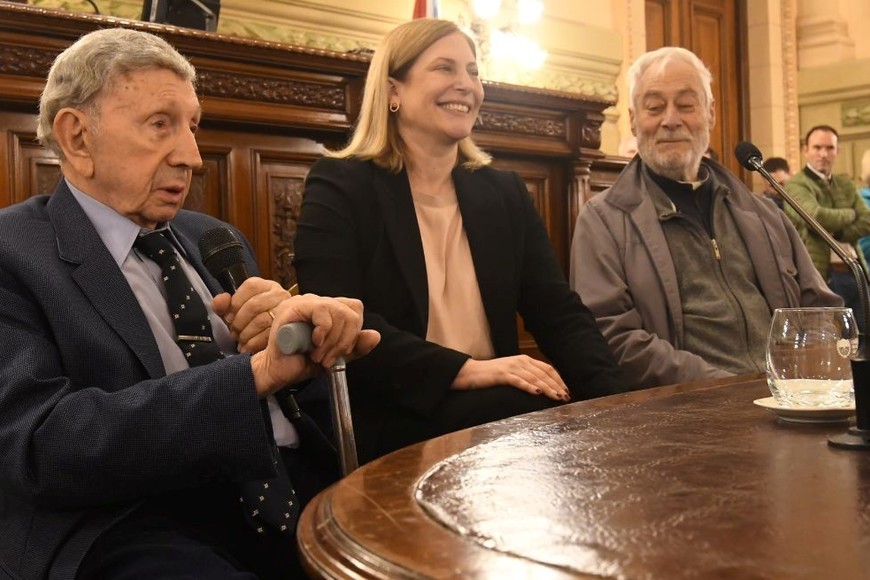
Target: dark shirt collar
694,203
816,176
668,185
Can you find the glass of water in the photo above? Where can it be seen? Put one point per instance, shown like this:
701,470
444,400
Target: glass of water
809,352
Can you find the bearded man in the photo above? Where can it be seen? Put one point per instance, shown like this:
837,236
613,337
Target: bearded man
679,262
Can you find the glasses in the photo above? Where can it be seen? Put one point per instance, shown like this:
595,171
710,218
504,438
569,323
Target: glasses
809,353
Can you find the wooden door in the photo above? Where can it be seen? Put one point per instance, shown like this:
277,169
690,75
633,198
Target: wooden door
715,31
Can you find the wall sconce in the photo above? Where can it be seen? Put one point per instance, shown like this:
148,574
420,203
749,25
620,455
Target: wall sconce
495,26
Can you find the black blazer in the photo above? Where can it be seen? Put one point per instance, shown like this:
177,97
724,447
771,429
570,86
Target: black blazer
89,422
358,237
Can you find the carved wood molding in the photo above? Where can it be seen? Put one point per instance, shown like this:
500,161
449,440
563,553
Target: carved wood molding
324,82
25,61
270,90
590,132
36,62
286,193
511,123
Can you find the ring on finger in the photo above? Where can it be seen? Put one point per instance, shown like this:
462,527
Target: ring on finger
272,314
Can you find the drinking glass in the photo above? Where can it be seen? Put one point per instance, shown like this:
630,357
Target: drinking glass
809,352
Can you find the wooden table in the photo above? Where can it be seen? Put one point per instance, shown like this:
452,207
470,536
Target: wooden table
689,481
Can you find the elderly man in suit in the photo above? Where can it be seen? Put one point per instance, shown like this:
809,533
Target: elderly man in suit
124,451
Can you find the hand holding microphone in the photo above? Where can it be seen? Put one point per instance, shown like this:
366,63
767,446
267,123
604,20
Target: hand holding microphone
335,322
323,330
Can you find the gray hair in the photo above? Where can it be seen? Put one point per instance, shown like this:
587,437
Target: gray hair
657,60
81,72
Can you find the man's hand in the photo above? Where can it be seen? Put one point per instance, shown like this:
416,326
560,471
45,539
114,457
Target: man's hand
337,333
247,312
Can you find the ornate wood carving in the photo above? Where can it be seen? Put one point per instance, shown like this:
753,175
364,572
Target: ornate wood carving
270,90
25,61
590,133
286,203
510,123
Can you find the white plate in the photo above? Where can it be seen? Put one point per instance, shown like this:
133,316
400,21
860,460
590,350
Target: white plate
806,414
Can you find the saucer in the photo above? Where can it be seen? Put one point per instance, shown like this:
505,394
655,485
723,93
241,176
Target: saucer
806,414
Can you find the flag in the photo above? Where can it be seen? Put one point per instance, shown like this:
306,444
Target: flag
425,9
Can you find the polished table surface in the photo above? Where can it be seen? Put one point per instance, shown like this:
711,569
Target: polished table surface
688,481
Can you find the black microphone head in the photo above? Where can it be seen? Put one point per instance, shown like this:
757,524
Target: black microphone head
746,152
223,253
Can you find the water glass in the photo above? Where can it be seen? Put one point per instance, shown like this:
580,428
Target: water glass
809,352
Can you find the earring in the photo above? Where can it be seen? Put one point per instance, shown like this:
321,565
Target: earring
394,107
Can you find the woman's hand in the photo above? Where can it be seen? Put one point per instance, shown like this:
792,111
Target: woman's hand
520,371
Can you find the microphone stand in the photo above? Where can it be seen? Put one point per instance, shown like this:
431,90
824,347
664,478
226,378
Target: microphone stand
857,436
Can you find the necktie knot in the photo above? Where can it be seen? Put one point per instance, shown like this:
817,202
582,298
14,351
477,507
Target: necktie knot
156,247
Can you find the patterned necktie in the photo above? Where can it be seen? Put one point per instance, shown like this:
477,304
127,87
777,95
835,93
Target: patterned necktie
267,504
192,326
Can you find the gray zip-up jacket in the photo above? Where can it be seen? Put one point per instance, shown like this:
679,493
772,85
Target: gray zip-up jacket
622,268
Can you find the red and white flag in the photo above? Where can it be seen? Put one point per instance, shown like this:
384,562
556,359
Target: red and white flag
425,9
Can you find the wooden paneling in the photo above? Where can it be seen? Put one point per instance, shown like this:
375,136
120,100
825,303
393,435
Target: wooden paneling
714,33
280,184
542,179
659,23
29,168
208,187
268,112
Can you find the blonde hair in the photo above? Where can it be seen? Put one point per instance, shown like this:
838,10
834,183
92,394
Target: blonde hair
376,135
658,59
81,72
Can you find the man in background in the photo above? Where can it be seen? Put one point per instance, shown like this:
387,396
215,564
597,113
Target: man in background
127,443
833,200
679,262
781,173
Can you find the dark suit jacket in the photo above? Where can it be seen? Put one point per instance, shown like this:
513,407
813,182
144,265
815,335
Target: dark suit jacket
358,236
89,423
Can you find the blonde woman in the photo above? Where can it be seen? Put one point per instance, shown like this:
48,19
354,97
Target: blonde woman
444,251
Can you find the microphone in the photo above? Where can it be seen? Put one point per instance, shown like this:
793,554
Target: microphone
224,257
858,436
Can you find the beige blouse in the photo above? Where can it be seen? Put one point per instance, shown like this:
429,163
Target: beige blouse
457,319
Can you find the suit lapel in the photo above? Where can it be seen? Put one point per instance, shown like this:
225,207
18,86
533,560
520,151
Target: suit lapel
400,221
101,280
486,221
